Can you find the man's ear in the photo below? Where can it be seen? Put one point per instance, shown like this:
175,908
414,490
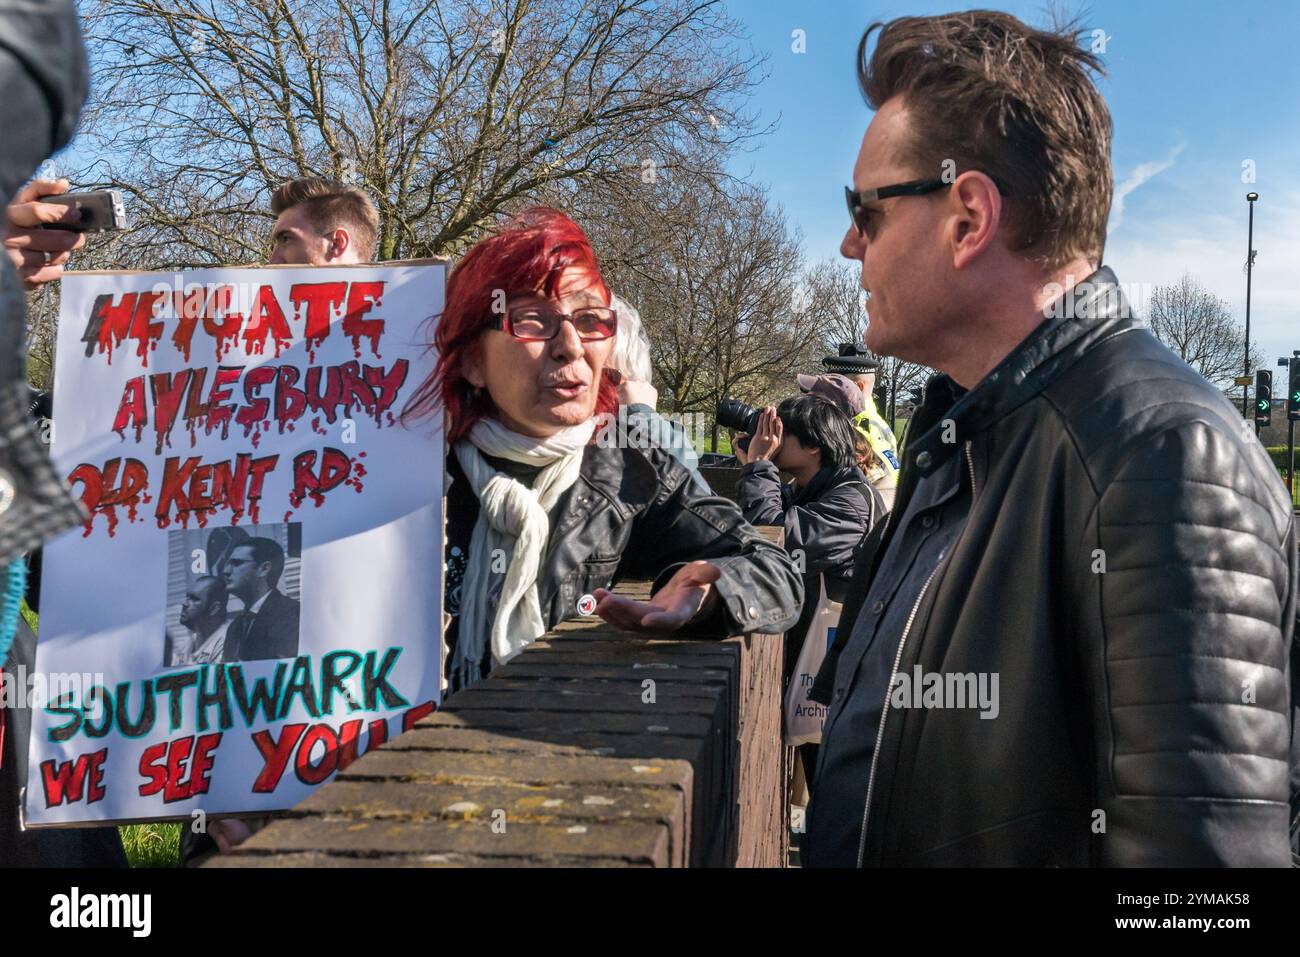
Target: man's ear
975,212
340,242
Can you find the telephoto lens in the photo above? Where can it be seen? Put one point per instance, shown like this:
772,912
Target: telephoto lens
734,414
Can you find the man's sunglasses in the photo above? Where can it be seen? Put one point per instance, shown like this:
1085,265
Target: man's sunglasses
538,324
857,200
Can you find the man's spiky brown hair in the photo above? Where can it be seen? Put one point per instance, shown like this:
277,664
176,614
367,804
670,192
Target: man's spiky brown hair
989,93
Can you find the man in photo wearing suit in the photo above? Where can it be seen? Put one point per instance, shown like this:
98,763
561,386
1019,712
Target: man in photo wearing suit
268,625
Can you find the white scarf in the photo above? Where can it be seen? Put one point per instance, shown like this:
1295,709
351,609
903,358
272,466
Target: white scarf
513,518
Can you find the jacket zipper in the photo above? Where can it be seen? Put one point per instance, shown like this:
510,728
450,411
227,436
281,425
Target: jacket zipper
970,461
898,657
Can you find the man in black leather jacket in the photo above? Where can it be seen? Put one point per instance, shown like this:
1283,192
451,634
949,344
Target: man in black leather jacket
1084,526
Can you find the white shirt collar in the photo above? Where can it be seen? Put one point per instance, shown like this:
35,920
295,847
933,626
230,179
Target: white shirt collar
213,647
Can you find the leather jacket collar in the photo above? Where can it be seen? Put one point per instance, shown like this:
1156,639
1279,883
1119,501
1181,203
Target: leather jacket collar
1094,309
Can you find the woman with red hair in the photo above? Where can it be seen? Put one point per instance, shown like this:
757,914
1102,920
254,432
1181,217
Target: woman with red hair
541,518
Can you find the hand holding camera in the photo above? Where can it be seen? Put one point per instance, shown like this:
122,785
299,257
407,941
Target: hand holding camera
38,254
766,440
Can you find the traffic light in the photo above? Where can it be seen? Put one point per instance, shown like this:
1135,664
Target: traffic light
1263,397
1293,390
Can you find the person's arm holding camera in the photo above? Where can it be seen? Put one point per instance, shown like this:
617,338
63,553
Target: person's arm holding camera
826,528
765,441
759,491
38,254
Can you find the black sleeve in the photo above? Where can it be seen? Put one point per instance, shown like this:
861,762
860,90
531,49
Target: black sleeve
759,588
824,535
285,639
1196,607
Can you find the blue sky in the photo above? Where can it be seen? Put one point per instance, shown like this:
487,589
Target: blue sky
1195,88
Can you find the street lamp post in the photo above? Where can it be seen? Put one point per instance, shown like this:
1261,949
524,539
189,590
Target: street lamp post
1250,261
1285,362
1291,402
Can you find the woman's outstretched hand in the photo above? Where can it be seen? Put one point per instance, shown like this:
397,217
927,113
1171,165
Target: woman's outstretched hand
688,595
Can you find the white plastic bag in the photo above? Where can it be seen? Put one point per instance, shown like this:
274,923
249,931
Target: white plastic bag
804,718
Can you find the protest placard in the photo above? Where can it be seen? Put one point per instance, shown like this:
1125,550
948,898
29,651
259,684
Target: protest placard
255,597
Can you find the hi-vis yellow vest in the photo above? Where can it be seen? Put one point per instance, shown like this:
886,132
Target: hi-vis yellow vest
880,437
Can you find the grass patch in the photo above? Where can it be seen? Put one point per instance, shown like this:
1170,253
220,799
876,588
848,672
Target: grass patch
724,443
152,845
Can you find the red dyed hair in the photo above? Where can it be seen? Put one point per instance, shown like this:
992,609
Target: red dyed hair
527,254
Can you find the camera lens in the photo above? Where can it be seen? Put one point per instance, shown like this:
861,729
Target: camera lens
734,414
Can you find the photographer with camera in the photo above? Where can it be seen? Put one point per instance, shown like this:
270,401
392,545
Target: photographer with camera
828,507
826,511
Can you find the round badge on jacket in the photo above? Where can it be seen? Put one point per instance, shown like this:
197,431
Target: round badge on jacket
8,492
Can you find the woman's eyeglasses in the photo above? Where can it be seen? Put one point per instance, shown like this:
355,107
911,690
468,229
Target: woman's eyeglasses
538,324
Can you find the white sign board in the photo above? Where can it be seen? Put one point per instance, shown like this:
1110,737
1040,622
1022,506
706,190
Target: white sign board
256,597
